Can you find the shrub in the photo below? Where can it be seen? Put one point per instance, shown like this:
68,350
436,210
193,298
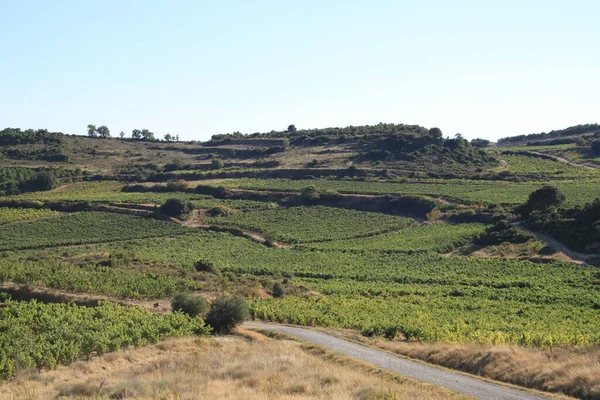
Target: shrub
222,211
309,194
206,266
177,208
227,312
541,200
278,290
179,186
217,163
596,147
189,304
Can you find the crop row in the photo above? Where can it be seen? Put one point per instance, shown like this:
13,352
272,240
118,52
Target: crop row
36,335
431,237
111,191
314,224
93,278
483,192
8,215
84,227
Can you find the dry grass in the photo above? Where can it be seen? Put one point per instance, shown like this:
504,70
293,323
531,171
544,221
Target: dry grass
575,372
252,367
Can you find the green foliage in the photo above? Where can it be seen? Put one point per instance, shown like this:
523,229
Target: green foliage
217,163
17,180
314,224
481,143
595,146
579,228
177,208
36,335
278,290
189,304
572,130
93,278
14,136
541,200
578,192
222,211
75,229
435,237
410,146
8,215
502,232
226,313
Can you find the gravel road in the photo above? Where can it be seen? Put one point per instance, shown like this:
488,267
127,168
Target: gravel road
454,381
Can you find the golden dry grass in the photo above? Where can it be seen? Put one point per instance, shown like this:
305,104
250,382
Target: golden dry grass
249,367
575,372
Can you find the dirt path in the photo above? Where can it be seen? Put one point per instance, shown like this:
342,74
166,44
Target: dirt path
457,382
575,256
564,160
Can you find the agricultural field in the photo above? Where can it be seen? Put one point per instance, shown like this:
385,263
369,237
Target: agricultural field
439,238
314,224
578,192
112,192
77,228
8,215
427,296
428,279
520,164
36,335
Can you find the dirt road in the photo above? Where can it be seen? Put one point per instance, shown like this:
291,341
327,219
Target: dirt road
555,244
457,382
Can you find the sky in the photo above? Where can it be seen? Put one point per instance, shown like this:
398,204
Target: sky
197,68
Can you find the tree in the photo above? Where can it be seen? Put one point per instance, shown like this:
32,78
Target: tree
217,163
168,137
103,131
177,138
177,208
92,131
189,304
481,143
122,134
278,289
596,147
41,181
541,200
227,312
291,128
147,135
136,134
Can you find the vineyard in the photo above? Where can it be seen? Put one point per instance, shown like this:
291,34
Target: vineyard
423,296
439,238
314,224
111,192
8,215
482,192
36,335
80,228
521,164
427,279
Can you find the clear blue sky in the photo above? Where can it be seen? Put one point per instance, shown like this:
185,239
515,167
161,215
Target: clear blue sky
195,68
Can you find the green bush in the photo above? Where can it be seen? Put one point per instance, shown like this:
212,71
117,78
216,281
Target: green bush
189,304
227,312
177,208
206,266
217,163
222,211
278,290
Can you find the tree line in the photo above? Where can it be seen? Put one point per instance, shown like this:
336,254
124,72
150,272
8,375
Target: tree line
137,134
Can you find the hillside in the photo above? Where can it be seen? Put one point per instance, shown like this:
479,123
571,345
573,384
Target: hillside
396,148
389,234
